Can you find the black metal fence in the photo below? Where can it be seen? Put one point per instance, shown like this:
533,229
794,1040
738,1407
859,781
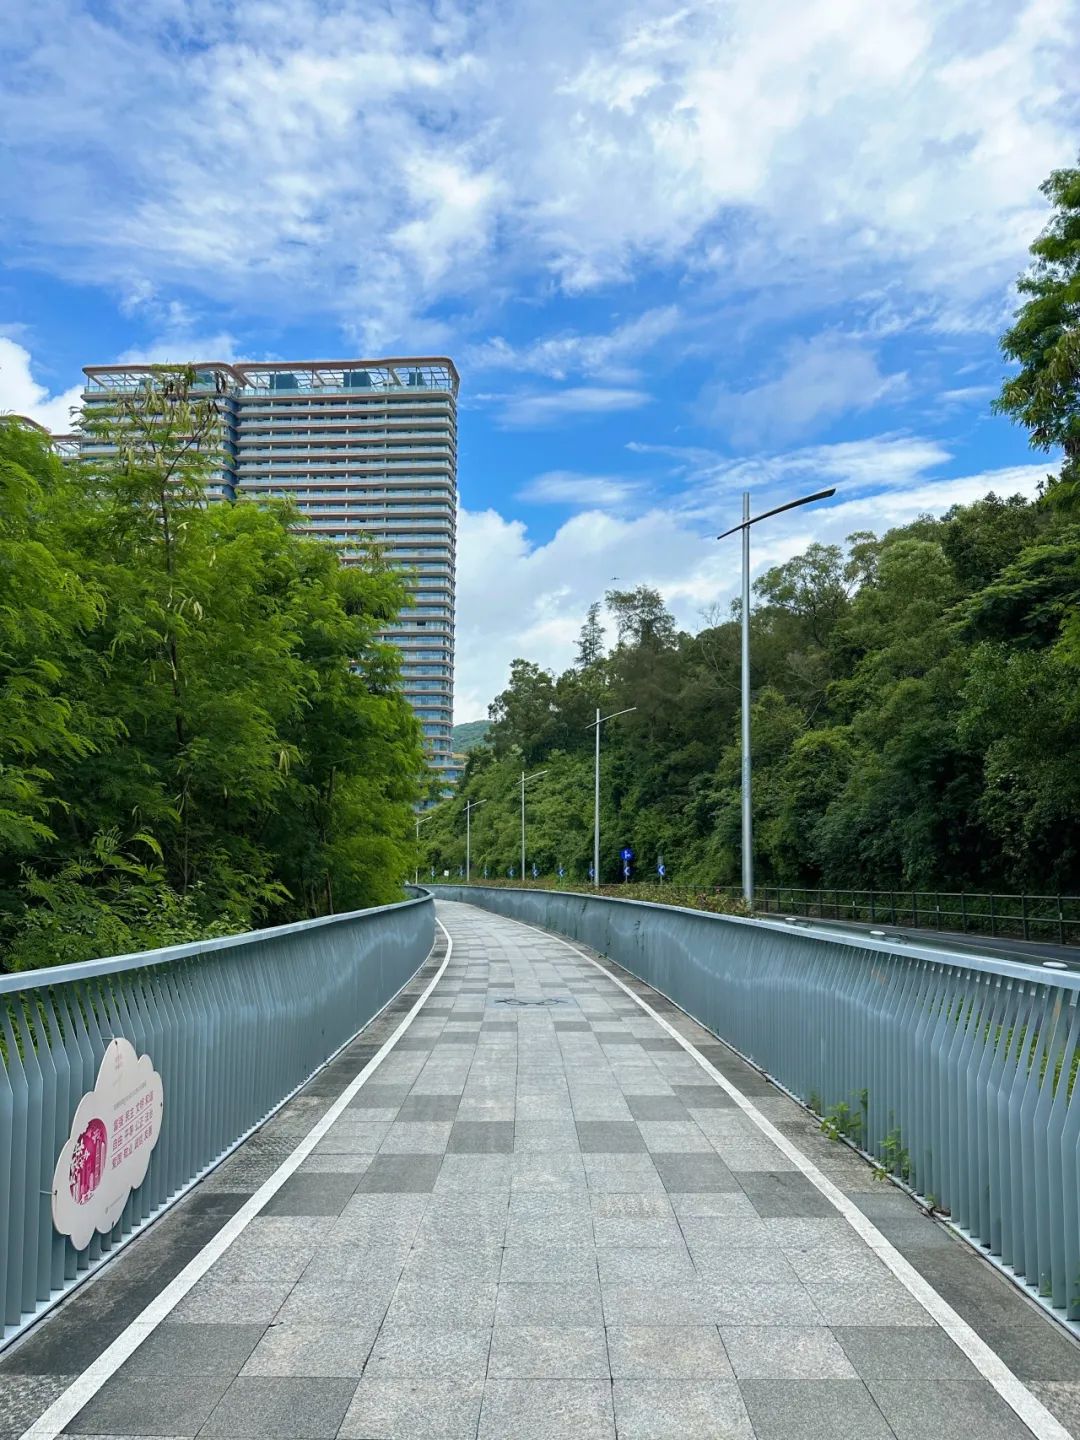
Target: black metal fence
1047,918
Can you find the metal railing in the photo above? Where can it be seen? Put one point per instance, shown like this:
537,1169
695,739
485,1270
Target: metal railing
955,1073
1048,918
233,1026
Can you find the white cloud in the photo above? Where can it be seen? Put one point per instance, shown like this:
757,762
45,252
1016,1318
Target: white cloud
534,409
371,166
180,347
822,378
614,356
21,394
969,395
518,597
583,492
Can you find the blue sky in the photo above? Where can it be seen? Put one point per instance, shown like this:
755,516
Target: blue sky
677,250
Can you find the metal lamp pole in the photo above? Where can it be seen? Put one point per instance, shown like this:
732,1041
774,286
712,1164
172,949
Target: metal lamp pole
470,806
600,720
747,808
420,820
524,781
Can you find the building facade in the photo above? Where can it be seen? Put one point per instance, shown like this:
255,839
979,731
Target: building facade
367,450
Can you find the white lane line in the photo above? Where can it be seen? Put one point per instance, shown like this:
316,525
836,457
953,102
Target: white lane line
83,1389
1012,1390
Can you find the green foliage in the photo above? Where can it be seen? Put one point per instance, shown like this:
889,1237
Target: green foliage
841,1122
895,1159
1044,395
198,725
915,725
469,735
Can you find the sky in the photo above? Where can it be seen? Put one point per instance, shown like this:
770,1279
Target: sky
677,251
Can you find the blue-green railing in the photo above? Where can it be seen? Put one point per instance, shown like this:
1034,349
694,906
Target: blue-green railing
233,1026
956,1073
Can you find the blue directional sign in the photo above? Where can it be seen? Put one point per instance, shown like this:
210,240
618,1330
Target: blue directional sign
562,871
626,853
592,873
485,872
433,872
536,872
626,871
661,868
510,872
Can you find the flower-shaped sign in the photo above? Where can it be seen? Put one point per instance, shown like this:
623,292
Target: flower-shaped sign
116,1126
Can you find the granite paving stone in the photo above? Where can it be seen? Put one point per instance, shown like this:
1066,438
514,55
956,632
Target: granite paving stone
667,1352
547,1410
24,1397
691,1409
428,1352
230,1302
443,1304
428,1108
319,1301
813,1410
278,1408
548,1352
693,1172
785,1352
209,1350
946,1409
416,1137
312,1195
609,1137
898,1352
552,1302
316,1351
673,1136
1062,1399
400,1174
407,1408
164,1405
542,1220
481,1137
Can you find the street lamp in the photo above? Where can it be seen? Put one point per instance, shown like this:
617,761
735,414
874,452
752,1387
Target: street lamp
420,820
747,814
470,806
595,724
524,781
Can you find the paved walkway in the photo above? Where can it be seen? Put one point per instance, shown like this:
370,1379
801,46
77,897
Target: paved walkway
540,1219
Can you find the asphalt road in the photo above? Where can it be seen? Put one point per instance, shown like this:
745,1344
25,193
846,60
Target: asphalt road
1032,951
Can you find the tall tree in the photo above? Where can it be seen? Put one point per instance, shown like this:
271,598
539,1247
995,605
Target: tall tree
591,639
198,724
641,618
1045,340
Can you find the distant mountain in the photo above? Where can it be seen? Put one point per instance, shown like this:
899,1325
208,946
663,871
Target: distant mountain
469,735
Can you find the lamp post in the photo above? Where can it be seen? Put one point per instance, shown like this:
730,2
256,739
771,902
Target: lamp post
747,811
524,781
420,820
600,720
470,806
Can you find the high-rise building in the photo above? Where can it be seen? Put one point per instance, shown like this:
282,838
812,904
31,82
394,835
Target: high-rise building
367,450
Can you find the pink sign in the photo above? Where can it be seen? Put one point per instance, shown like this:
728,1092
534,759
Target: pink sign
115,1128
88,1161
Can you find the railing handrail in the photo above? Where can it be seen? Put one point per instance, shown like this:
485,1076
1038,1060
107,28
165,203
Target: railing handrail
894,945
140,959
954,1074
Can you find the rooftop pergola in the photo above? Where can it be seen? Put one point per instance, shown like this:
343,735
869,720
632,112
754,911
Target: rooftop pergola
292,377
